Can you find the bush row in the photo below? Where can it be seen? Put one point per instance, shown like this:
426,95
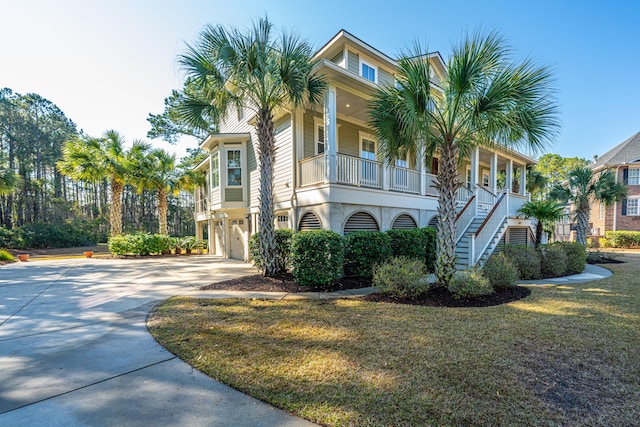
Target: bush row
552,260
44,236
622,239
148,244
320,257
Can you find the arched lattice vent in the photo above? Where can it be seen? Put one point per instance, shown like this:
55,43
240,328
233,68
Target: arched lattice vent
361,221
433,222
404,221
309,221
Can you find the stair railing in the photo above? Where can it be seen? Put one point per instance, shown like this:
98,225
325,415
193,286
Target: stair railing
480,240
465,217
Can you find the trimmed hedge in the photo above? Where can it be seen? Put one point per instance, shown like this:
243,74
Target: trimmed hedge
365,249
317,258
500,271
401,277
6,256
553,261
46,236
576,256
526,259
418,243
139,244
284,237
623,239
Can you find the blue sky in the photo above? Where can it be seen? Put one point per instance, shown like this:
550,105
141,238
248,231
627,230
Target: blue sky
107,64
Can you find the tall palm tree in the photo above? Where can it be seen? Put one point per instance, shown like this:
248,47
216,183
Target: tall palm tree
485,99
93,159
582,188
261,72
545,212
156,171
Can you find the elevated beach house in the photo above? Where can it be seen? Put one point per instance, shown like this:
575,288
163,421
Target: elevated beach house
328,173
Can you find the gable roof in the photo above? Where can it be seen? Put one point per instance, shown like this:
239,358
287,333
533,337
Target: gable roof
626,152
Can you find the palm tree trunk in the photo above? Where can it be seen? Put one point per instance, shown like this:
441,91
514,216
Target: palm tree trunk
267,158
447,186
162,211
582,215
115,210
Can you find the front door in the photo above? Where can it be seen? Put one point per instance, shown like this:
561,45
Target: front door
236,237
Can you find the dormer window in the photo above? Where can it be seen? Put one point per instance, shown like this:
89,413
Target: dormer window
369,71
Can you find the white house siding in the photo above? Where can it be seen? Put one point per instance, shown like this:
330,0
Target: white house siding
353,63
385,78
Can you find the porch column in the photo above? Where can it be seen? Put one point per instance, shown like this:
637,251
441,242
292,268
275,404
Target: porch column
523,180
226,241
493,173
509,176
298,123
330,134
420,167
211,249
475,167
198,230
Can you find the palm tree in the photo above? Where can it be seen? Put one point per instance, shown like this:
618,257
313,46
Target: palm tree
546,212
94,159
582,188
156,171
260,72
9,181
485,99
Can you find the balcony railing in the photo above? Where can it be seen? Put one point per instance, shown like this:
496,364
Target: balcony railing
312,170
404,180
359,171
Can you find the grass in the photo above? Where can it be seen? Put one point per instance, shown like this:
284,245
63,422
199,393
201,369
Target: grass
566,355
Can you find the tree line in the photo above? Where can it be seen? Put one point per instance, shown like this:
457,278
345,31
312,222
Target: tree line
41,182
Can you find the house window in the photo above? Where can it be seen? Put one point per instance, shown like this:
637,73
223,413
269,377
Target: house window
402,163
283,218
369,72
485,179
468,182
320,139
634,176
215,170
602,205
234,168
632,207
367,148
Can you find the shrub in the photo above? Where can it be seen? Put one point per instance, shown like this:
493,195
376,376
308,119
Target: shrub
500,271
419,243
598,257
401,277
623,239
317,257
283,250
9,238
553,262
364,249
470,284
576,256
6,256
139,244
526,259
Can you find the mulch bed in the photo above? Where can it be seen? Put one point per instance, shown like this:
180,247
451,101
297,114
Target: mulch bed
434,298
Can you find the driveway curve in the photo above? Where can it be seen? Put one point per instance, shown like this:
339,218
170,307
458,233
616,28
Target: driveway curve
75,351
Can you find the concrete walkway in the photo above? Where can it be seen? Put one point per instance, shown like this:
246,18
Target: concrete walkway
75,351
591,273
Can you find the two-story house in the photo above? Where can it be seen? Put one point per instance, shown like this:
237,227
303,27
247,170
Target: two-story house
624,215
328,173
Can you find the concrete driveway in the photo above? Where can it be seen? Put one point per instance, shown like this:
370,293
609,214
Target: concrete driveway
75,351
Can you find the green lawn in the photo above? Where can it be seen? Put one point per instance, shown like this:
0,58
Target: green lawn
566,355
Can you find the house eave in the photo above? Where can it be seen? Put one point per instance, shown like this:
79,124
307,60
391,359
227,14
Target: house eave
218,138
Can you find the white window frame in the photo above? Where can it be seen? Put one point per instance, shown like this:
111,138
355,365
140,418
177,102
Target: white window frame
317,124
215,170
370,65
636,201
227,168
368,137
636,178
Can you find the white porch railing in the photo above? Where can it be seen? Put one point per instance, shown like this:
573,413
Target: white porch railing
481,239
312,170
463,195
202,205
358,171
465,217
486,198
404,179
